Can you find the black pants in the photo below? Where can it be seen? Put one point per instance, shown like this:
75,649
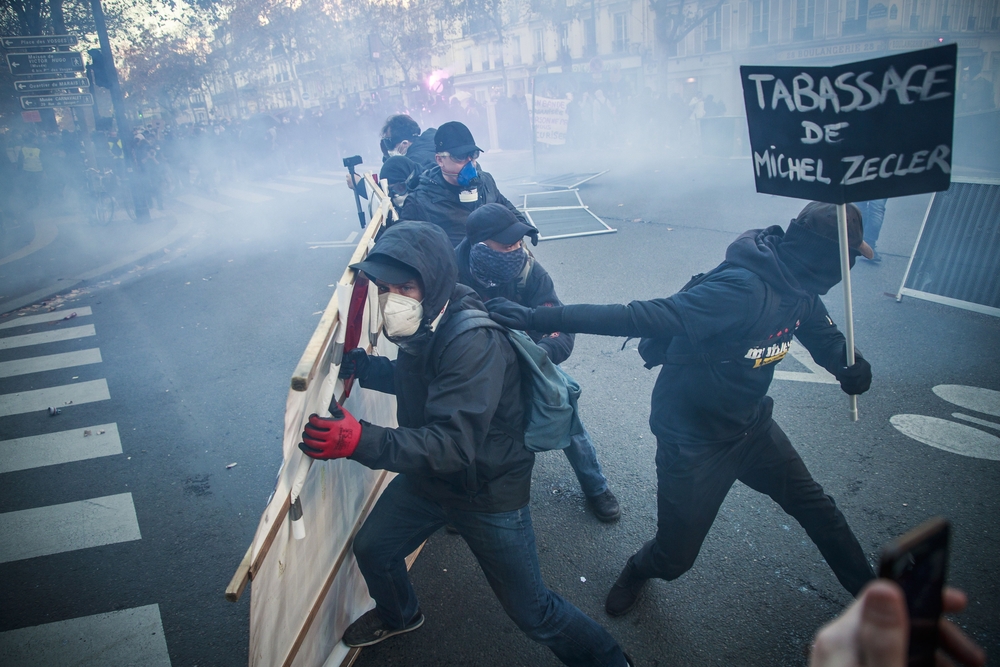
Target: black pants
693,481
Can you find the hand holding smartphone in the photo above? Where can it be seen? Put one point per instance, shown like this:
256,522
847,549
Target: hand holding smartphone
918,562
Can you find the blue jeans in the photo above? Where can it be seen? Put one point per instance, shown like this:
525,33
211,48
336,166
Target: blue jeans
504,545
872,214
583,458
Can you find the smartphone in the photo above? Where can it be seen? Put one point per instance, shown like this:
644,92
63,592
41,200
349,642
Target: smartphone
918,561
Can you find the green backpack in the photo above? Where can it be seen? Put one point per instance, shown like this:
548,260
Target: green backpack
551,417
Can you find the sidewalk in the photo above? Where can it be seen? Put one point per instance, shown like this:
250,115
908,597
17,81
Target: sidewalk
49,250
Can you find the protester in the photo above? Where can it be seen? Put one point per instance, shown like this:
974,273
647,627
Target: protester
874,632
873,213
493,261
401,136
456,460
397,172
449,192
718,341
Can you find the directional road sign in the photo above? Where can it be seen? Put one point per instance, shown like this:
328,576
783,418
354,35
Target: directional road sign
46,85
49,101
37,41
21,64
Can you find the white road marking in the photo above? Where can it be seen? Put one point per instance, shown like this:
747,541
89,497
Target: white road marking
44,318
816,372
129,637
312,179
56,529
281,187
349,241
949,436
58,397
202,204
244,195
45,233
974,420
49,362
982,400
37,451
53,336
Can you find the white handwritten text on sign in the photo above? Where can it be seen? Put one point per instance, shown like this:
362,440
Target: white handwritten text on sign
866,130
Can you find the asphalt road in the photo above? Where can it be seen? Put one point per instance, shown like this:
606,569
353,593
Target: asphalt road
197,346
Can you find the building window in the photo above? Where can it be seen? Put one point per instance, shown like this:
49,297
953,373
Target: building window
713,32
515,46
539,45
468,59
564,37
621,33
855,18
893,13
971,23
589,38
484,50
805,19
760,15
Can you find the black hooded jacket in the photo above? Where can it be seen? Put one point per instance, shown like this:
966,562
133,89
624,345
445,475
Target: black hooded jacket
724,335
438,201
451,403
533,288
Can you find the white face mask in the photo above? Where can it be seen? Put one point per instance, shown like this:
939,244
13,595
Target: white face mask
401,315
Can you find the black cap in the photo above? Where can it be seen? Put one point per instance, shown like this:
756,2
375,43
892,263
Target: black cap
498,223
387,269
454,138
821,218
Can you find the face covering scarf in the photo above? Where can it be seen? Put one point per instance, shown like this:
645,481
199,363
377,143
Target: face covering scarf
492,267
401,315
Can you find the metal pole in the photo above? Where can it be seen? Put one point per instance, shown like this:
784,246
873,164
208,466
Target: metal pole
534,134
845,277
118,100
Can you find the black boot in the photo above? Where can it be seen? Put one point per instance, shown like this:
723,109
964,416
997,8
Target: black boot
626,591
605,506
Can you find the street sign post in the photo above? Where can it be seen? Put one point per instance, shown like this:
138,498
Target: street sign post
46,85
865,130
52,101
23,64
37,41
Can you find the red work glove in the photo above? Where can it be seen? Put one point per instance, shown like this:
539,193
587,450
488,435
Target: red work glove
333,437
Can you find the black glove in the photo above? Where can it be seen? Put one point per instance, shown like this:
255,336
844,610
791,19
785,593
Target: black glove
511,315
355,363
855,379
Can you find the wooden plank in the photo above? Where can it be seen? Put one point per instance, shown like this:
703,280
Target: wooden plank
255,566
309,362
242,577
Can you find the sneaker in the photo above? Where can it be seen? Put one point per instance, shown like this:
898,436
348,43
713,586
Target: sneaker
626,591
370,629
605,506
875,257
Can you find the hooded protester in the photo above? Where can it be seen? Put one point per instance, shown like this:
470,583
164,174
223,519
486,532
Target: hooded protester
457,459
493,261
718,340
450,191
397,172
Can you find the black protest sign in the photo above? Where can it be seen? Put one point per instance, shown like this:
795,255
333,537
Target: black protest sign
866,130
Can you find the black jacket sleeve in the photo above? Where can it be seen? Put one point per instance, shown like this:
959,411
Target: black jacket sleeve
711,309
540,292
461,401
380,375
411,210
823,339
